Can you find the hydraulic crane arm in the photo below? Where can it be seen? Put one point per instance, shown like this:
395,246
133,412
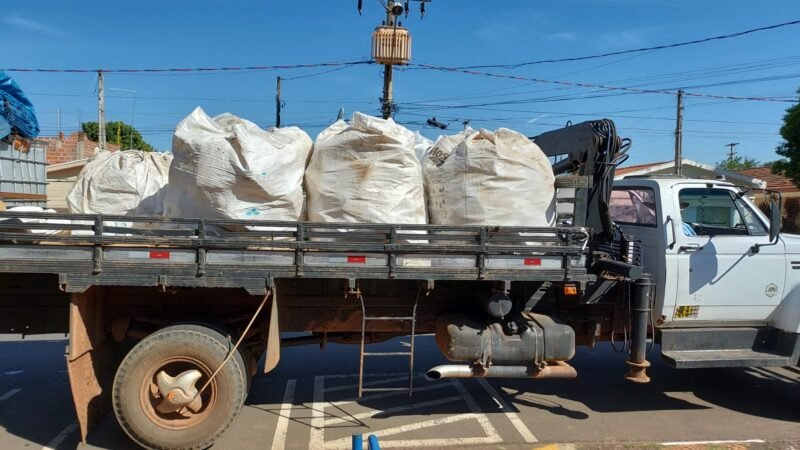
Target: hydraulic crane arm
593,149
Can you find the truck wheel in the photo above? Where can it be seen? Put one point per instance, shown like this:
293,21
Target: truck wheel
154,392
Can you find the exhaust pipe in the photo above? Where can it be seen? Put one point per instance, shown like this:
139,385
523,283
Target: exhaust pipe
557,369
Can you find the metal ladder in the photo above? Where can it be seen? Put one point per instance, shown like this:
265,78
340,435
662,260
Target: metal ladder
364,318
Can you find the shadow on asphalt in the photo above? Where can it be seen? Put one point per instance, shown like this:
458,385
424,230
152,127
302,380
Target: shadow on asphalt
600,387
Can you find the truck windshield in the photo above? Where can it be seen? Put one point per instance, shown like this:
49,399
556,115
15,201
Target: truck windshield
712,212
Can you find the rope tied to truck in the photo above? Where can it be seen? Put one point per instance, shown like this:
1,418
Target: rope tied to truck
236,345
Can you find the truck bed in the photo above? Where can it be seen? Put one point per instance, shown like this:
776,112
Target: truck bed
86,250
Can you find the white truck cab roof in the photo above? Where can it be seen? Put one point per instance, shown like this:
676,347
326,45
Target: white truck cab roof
667,181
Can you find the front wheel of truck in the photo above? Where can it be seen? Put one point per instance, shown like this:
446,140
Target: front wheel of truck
158,394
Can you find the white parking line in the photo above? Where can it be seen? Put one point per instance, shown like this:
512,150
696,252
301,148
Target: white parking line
492,438
317,439
371,397
279,439
773,373
396,409
319,422
512,416
746,441
61,437
366,383
9,394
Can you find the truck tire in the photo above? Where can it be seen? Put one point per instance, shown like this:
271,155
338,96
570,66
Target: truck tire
176,350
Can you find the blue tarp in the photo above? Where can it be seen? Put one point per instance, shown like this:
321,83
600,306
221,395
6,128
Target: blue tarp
16,109
5,128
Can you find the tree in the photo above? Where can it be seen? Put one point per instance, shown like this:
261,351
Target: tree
789,166
738,163
118,133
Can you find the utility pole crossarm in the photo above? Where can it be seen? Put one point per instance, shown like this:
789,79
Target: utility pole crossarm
731,152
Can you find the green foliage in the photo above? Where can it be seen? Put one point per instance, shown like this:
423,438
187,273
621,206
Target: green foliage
738,163
789,166
126,136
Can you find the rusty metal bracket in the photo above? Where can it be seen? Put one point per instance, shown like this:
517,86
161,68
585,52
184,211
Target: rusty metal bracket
162,283
299,262
97,254
352,289
201,250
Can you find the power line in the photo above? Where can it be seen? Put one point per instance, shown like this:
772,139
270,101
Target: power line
194,69
598,86
635,50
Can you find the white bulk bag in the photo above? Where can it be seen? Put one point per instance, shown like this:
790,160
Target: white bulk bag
421,146
229,168
129,182
365,171
489,178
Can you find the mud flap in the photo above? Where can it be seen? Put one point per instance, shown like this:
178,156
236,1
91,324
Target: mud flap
273,353
90,358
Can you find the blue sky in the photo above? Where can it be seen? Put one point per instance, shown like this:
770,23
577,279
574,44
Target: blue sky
208,33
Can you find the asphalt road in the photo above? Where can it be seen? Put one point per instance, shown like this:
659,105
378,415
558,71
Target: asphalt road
309,402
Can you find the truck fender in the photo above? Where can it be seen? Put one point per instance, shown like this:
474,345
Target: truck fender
787,315
90,357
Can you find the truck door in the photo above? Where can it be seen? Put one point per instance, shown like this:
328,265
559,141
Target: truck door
720,277
636,209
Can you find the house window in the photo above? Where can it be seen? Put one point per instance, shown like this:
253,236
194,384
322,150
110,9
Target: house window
633,206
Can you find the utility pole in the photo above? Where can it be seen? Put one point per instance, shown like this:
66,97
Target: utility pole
386,101
101,111
278,104
679,136
391,44
58,120
731,152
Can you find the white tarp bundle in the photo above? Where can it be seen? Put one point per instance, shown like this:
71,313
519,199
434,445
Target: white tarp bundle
489,178
36,209
365,171
229,168
129,182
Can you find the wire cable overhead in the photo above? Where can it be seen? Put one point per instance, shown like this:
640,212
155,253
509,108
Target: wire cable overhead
599,86
195,69
635,50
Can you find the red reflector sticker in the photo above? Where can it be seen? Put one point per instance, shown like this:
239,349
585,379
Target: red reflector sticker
356,259
533,261
155,254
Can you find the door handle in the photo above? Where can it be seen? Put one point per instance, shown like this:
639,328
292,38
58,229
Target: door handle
690,247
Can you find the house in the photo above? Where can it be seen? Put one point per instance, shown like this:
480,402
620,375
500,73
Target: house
775,182
691,169
66,157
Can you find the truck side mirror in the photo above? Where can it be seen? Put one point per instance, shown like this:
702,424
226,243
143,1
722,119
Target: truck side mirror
774,218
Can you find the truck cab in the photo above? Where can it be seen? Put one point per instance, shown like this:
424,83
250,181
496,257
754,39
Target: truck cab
727,288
